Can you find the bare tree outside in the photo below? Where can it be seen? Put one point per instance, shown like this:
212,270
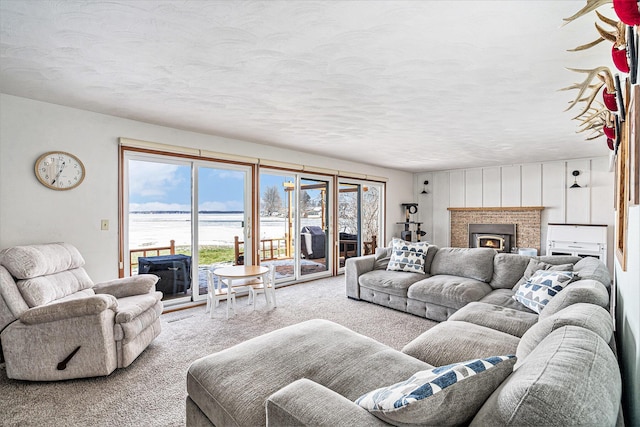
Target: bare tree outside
370,213
348,212
305,202
271,201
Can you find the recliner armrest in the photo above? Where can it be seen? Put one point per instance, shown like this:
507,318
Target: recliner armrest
304,403
128,286
68,309
354,268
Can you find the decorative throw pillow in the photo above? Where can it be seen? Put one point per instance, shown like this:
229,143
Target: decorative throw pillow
408,256
535,265
536,292
446,395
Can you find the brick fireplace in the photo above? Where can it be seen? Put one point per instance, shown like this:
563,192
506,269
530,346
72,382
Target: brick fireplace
526,218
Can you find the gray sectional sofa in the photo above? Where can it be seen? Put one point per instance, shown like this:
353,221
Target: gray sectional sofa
455,277
319,373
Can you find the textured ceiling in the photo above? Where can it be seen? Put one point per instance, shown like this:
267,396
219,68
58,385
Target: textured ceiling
411,85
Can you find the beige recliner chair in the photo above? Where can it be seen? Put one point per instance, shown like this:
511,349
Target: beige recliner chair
57,324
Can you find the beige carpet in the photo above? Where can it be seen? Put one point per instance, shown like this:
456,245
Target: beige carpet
152,391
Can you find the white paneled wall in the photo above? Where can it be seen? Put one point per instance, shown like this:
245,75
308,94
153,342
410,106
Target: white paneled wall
530,184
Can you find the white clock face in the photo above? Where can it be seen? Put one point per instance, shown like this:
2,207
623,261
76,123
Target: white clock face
59,170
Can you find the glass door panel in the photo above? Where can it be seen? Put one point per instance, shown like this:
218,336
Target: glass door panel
277,223
359,219
159,212
371,217
314,237
223,220
349,221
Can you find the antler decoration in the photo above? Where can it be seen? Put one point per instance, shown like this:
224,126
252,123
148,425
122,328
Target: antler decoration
591,5
606,79
627,10
597,118
617,36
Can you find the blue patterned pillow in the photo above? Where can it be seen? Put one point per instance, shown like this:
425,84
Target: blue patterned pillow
536,292
408,256
448,395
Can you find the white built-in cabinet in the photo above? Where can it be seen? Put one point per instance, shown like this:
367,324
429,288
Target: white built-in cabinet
578,240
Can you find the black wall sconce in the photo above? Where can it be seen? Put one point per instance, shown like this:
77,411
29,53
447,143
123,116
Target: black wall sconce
575,179
424,187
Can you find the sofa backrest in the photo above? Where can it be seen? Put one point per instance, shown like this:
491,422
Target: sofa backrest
593,269
571,378
45,273
587,316
472,263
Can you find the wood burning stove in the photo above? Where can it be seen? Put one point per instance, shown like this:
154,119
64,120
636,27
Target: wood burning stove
493,242
501,237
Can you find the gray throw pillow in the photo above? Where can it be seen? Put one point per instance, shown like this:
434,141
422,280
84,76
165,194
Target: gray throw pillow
535,265
447,395
383,255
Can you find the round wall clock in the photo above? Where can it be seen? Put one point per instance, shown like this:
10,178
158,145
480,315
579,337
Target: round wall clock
59,170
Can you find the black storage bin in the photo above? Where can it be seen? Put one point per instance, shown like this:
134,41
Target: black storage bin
174,272
317,242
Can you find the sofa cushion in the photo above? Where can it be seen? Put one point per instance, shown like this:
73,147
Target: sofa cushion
587,316
507,320
408,256
131,307
508,269
570,378
473,263
453,341
504,298
26,262
448,291
536,292
535,265
45,289
589,291
449,394
593,269
558,259
390,282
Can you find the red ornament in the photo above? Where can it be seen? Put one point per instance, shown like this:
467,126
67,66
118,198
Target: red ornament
620,59
609,132
610,143
628,11
609,100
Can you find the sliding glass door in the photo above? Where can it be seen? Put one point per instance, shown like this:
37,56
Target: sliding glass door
183,217
359,218
314,237
295,219
223,231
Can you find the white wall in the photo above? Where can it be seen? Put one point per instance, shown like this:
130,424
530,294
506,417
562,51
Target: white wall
31,213
628,318
529,184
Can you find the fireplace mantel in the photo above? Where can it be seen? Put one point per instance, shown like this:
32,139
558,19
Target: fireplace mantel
512,209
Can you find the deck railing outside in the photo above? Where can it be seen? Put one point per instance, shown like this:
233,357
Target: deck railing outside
134,254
